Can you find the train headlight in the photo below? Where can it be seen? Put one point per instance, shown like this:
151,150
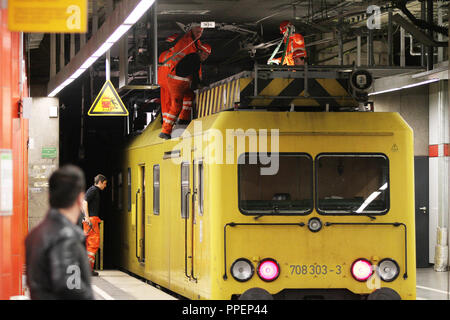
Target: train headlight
361,269
268,269
314,224
388,270
242,270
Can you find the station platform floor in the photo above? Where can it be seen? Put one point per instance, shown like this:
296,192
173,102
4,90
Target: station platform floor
118,285
432,285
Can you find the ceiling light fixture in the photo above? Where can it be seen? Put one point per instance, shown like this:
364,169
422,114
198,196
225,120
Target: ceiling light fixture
405,87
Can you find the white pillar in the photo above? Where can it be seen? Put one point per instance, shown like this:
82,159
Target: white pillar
439,172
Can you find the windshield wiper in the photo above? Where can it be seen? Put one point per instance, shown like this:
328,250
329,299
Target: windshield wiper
353,211
275,210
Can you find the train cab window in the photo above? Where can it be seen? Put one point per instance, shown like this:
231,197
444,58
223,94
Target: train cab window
156,189
352,184
289,191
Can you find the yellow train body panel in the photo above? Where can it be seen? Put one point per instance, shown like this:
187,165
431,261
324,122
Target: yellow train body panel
192,256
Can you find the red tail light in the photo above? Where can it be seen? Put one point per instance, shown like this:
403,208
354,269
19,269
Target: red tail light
361,269
268,269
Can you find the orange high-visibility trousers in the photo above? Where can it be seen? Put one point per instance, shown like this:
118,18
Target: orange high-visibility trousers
181,97
163,71
92,233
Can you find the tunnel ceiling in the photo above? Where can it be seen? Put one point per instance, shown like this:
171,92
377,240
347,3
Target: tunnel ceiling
245,25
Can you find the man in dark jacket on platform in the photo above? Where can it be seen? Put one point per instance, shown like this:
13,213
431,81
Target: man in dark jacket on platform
56,259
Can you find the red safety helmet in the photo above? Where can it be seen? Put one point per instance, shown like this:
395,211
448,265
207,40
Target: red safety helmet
284,25
204,47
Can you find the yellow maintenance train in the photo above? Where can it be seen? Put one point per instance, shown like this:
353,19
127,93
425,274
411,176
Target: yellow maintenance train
273,205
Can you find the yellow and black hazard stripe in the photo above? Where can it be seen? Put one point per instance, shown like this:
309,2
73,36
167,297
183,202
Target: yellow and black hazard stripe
278,92
220,97
282,92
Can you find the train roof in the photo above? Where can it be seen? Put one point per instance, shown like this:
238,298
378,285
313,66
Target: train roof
288,123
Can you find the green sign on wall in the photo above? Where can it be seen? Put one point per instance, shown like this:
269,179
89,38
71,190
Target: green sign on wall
49,152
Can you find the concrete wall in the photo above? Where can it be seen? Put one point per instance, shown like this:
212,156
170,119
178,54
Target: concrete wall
43,138
412,104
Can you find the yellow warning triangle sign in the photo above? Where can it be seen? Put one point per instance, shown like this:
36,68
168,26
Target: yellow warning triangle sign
108,103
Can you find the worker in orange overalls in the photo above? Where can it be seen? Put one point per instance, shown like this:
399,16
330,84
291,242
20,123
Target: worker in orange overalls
91,209
293,42
187,44
182,80
163,71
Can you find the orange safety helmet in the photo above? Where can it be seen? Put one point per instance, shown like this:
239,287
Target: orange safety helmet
284,25
204,47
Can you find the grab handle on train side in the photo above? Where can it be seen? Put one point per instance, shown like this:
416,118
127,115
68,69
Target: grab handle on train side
136,221
186,199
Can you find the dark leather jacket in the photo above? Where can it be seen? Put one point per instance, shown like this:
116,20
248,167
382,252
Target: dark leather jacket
56,259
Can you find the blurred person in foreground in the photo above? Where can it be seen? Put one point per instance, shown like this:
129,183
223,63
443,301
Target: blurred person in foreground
56,259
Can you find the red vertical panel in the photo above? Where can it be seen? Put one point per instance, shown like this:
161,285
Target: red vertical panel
13,136
5,143
2,239
17,233
7,265
17,241
15,73
5,80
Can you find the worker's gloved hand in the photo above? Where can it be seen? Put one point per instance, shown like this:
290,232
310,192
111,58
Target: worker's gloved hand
273,62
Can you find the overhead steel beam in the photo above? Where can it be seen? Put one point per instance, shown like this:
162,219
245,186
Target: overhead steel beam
121,12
